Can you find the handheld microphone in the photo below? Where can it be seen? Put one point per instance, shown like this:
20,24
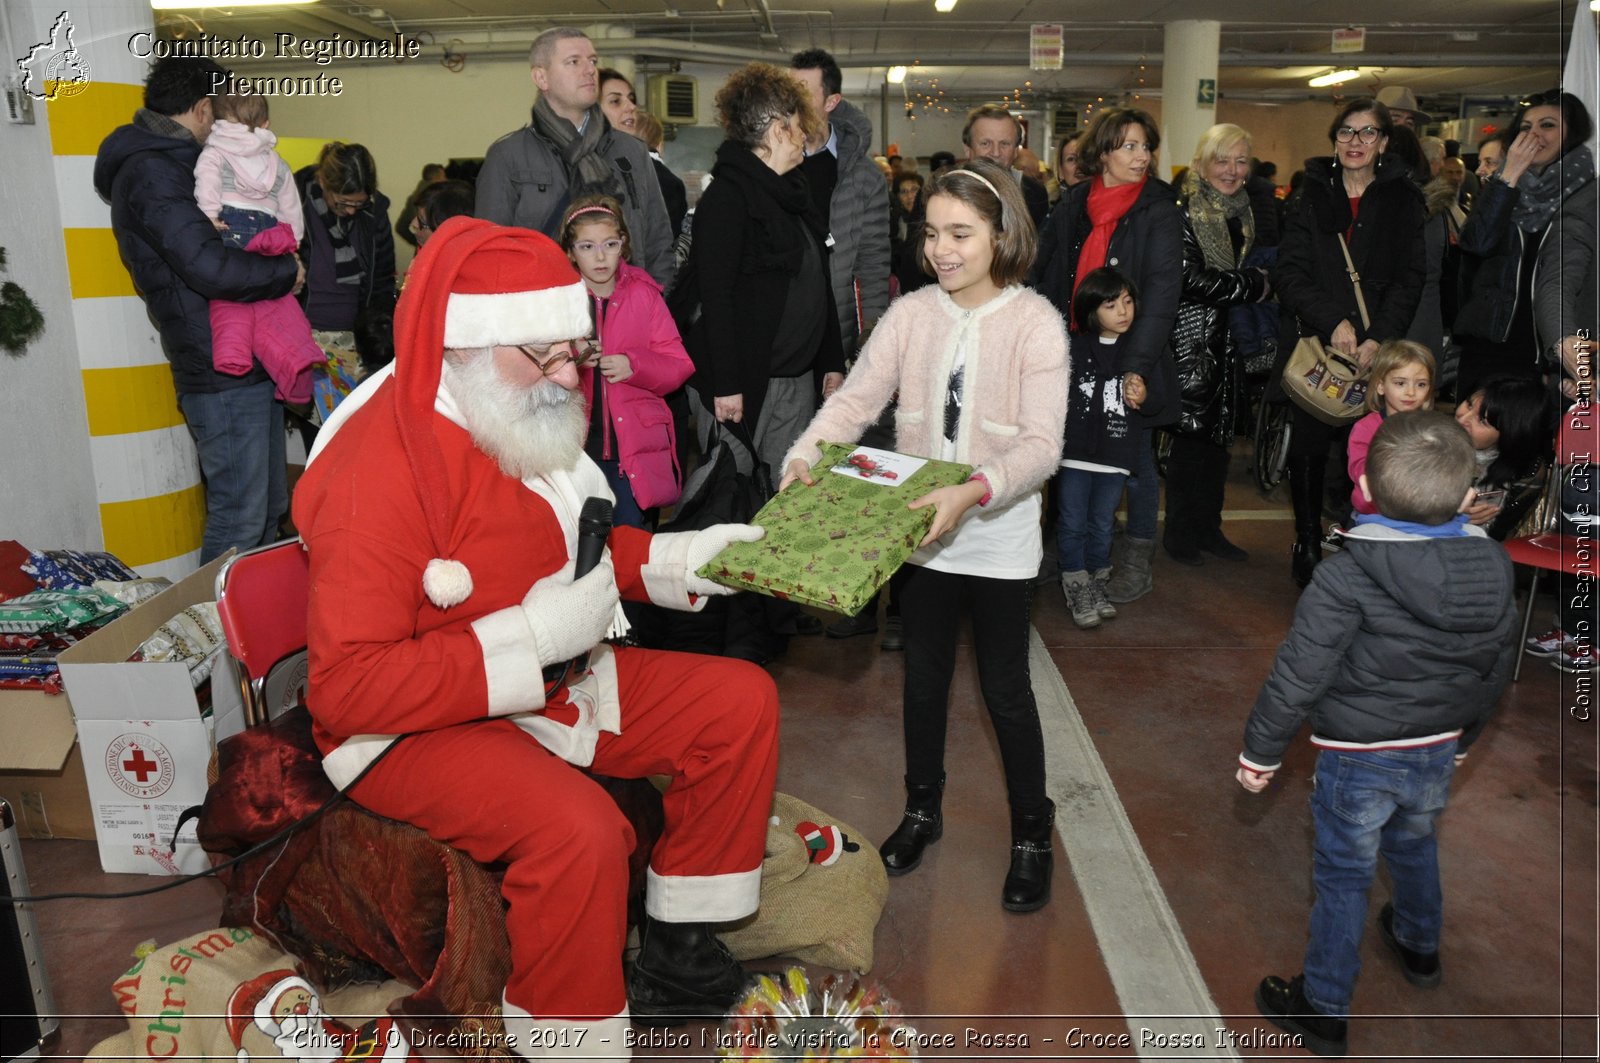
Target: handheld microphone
594,527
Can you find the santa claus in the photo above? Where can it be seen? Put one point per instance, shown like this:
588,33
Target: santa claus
286,1008
458,670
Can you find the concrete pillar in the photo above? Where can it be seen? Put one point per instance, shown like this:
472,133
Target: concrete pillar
624,63
141,480
1188,88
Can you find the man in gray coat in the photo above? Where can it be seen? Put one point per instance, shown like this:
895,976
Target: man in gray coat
532,174
851,195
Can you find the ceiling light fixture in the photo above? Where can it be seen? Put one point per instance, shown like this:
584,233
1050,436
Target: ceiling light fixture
182,5
1333,77
897,75
944,7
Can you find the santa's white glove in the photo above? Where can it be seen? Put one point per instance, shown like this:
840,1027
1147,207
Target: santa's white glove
708,543
568,617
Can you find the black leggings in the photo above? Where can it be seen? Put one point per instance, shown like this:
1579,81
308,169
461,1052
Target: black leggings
931,607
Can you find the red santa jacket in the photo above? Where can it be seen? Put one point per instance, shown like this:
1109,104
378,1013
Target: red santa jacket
384,660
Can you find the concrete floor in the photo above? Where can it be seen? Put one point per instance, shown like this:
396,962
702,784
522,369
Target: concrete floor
1120,956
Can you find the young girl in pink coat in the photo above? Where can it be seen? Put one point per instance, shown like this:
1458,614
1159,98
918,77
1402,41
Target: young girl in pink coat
248,192
637,360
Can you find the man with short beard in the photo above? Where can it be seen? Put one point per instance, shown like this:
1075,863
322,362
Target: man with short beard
440,512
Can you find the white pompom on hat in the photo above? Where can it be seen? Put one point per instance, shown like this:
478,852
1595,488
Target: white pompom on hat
474,284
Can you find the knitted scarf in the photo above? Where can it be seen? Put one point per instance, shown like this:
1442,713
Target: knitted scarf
1106,208
160,124
346,263
1541,193
588,171
1209,211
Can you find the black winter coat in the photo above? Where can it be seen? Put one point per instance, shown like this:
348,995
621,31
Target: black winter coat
1387,246
1397,637
370,235
747,232
1203,350
1147,245
1099,429
178,262
1490,282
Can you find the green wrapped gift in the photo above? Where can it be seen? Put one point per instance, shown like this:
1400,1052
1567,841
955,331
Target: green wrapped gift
834,544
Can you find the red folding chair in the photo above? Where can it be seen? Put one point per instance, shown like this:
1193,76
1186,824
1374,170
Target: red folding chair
262,599
1549,550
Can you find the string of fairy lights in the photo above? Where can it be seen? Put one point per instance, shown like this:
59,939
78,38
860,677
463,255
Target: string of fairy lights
925,97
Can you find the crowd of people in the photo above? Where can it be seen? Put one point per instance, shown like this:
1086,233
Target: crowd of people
1039,324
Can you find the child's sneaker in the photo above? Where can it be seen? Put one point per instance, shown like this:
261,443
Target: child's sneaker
1079,589
1577,659
1550,643
1333,540
1102,604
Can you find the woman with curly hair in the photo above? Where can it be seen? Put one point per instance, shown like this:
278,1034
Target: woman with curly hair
767,336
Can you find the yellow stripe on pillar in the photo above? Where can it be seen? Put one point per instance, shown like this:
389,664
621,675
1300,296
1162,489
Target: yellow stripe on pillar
134,399
146,530
94,265
79,122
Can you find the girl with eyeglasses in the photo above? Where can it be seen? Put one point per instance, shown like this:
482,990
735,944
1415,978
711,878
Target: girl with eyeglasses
1367,198
1513,243
636,359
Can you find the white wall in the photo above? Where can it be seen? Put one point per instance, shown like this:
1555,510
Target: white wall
47,489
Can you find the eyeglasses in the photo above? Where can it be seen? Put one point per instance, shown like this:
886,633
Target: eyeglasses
1368,134
346,205
553,363
589,247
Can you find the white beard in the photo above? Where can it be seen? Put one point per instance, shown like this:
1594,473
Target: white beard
529,432
306,1038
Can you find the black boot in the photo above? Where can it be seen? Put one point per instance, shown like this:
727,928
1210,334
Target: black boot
1305,492
682,973
1027,885
919,828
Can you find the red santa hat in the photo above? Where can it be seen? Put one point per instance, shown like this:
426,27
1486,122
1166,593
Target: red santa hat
474,284
252,1004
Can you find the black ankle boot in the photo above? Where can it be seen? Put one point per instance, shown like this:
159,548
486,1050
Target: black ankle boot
682,973
1305,492
919,828
1027,885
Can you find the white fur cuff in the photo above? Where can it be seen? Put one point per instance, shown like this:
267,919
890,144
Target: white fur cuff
666,574
511,668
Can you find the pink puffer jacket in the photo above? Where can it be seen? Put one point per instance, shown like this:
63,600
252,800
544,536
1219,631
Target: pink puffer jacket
638,325
273,330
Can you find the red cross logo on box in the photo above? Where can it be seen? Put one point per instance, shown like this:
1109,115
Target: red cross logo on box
139,766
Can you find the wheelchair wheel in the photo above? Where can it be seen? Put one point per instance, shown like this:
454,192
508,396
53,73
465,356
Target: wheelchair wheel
1271,451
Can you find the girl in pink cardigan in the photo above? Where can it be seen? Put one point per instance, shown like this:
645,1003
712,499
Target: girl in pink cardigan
640,360
980,366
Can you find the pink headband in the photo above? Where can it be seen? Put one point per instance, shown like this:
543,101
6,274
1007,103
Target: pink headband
590,210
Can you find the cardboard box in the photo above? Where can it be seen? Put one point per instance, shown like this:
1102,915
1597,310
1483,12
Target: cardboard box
836,543
41,771
145,747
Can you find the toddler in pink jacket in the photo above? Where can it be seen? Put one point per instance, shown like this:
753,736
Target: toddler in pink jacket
248,191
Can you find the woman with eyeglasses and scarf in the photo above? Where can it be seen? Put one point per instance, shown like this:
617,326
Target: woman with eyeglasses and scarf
1366,197
1511,241
348,249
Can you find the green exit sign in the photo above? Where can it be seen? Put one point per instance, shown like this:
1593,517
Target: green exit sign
1207,96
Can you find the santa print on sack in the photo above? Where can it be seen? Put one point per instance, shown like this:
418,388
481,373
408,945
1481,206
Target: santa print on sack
285,1008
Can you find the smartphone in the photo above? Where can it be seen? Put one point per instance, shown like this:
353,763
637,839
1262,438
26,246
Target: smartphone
1491,498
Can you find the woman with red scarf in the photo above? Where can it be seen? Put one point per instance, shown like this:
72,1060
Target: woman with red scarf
1128,219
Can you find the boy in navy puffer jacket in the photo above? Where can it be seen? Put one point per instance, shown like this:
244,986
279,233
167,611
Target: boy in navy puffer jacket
1399,651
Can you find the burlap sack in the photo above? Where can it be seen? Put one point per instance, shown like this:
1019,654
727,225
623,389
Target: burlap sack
225,994
822,913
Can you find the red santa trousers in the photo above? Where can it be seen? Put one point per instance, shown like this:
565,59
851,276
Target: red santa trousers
492,791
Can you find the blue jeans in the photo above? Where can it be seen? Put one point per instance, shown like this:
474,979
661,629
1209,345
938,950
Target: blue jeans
1086,511
626,512
1144,490
243,225
239,434
1366,803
